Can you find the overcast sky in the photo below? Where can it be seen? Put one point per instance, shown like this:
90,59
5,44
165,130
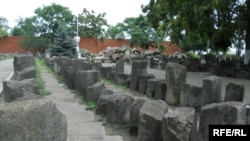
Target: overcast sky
116,10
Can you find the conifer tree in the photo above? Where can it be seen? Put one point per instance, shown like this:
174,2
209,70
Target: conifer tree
64,44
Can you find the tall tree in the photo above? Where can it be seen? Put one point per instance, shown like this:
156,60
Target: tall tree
64,44
247,49
92,24
137,29
194,22
49,18
25,27
3,27
116,32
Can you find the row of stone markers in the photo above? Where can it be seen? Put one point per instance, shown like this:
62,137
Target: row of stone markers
173,109
24,114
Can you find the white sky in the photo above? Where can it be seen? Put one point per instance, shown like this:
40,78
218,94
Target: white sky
116,10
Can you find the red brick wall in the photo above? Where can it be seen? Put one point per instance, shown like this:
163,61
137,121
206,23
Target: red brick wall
12,45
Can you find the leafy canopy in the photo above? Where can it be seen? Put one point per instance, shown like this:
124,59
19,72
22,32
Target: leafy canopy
3,27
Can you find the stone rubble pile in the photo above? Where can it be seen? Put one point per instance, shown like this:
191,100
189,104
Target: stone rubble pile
171,109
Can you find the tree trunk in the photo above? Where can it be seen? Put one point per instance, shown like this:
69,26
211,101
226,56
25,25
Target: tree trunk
247,49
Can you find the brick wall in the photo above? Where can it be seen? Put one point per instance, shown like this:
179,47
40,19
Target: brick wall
12,45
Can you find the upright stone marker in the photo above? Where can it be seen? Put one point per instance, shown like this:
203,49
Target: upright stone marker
138,68
211,90
234,92
175,76
150,120
224,113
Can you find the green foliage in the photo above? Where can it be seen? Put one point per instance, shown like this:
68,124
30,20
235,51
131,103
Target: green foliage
64,44
41,83
3,27
51,17
90,24
137,29
192,55
90,105
25,27
101,117
193,23
38,43
116,32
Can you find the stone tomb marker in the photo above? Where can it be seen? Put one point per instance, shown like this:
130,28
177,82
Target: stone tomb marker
234,92
150,120
175,76
138,68
224,113
211,90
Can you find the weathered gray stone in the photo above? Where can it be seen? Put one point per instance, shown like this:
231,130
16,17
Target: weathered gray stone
121,78
119,68
175,76
84,79
160,91
23,61
27,73
151,85
234,92
58,64
109,52
191,96
70,77
94,91
150,120
104,70
242,74
138,68
211,90
177,124
32,120
94,66
101,105
143,79
65,65
111,75
13,90
134,111
224,113
116,107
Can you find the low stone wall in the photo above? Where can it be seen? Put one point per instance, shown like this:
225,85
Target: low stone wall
170,108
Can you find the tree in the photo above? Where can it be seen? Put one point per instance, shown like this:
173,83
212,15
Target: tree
38,43
247,49
3,27
90,24
194,22
25,27
116,32
49,18
137,29
64,44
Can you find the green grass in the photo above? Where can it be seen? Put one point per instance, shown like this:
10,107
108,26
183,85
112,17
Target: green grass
44,92
75,92
106,81
90,105
41,83
44,66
